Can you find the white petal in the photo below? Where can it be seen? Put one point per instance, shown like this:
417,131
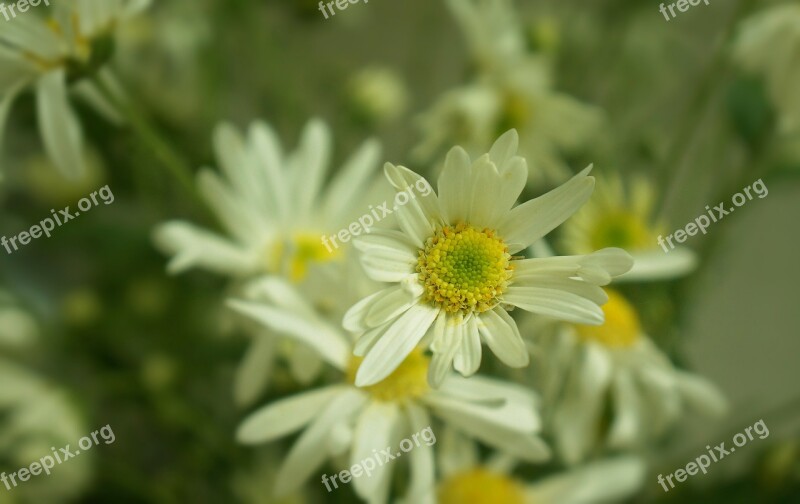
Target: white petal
351,181
701,394
532,220
196,247
501,334
61,131
419,217
607,481
423,474
577,419
327,341
505,148
354,318
252,375
455,196
309,164
627,416
656,265
374,430
392,303
308,452
395,345
555,303
448,335
468,358
285,416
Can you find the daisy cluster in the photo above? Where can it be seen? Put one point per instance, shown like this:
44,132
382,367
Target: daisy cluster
500,307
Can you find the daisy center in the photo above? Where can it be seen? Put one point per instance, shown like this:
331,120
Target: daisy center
294,256
464,269
480,486
408,381
621,229
621,328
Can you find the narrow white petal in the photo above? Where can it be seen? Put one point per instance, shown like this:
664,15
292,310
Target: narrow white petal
501,334
61,131
419,217
285,416
610,480
454,195
423,473
328,342
532,220
555,303
395,345
253,374
656,265
468,359
192,247
309,451
375,430
627,416
391,304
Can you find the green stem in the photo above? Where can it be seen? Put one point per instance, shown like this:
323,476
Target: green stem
150,137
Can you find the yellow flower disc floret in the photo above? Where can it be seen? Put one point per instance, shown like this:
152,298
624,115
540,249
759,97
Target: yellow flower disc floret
621,328
408,381
479,486
464,269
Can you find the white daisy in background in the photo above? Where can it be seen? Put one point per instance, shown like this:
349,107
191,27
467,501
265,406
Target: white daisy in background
275,209
342,420
768,43
588,372
624,216
465,478
55,54
512,89
34,416
455,272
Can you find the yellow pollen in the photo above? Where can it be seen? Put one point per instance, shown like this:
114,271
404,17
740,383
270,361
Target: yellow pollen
480,486
464,269
294,256
621,328
623,229
408,381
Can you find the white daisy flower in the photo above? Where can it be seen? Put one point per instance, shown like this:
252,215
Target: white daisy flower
466,478
625,217
55,54
36,415
768,43
591,371
344,420
274,208
456,274
513,89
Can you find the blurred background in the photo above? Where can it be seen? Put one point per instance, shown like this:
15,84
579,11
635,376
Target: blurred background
91,318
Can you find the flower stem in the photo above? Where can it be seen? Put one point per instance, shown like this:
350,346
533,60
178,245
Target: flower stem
147,133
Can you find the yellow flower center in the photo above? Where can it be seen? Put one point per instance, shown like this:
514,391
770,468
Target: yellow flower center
294,256
480,486
464,269
515,113
408,381
623,229
621,328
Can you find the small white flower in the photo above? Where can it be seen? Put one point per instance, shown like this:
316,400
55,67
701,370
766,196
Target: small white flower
590,371
620,215
53,54
512,89
455,272
768,43
342,419
466,478
274,207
